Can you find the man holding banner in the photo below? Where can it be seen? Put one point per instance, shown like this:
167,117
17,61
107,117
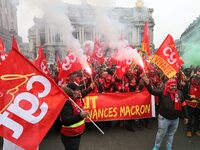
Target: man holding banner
171,104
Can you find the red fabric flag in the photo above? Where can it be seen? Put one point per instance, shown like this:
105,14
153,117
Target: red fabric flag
167,57
29,101
3,54
112,60
69,64
58,62
87,48
121,68
89,59
98,52
145,40
14,44
87,53
41,62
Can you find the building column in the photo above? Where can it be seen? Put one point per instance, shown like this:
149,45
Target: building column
137,37
82,31
94,34
47,34
37,38
80,35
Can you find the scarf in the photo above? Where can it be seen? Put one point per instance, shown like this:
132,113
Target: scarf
174,96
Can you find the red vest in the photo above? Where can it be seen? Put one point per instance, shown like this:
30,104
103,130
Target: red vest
77,128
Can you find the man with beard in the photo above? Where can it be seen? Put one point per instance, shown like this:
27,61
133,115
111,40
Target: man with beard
171,105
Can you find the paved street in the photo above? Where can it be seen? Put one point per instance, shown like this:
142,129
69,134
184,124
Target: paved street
121,139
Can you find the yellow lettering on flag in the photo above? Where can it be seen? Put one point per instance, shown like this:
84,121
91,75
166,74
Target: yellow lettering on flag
164,66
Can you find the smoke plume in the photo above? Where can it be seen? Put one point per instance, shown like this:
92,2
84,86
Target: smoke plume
191,54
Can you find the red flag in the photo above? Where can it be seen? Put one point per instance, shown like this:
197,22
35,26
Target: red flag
14,44
58,62
98,52
3,54
41,62
121,68
87,48
112,60
87,53
29,101
145,40
167,57
69,64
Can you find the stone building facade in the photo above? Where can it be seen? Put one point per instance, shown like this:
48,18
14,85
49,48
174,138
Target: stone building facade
83,20
190,35
8,22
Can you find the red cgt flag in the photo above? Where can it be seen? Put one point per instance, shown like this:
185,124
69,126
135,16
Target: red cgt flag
87,53
14,44
145,40
167,57
98,52
58,62
41,62
29,101
121,68
69,64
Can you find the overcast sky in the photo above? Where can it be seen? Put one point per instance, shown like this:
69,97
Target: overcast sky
170,16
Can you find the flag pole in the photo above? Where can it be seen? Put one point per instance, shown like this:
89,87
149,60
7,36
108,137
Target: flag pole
87,117
76,105
84,80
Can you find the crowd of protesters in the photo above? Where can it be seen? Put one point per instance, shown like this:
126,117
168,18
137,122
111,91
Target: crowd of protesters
105,79
173,95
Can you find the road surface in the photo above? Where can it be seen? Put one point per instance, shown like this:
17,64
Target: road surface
118,138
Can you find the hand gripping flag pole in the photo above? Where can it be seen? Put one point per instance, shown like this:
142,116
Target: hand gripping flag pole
82,110
87,117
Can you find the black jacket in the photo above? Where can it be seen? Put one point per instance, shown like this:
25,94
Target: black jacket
66,114
166,108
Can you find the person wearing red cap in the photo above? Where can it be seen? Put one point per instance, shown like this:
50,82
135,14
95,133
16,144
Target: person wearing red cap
171,105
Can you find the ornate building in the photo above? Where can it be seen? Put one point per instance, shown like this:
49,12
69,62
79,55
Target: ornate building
83,20
190,35
8,22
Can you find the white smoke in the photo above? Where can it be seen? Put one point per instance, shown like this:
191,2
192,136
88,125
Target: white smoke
55,12
105,26
14,2
56,17
129,54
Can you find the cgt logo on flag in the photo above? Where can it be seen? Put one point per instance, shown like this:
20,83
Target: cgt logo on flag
30,102
68,61
25,104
